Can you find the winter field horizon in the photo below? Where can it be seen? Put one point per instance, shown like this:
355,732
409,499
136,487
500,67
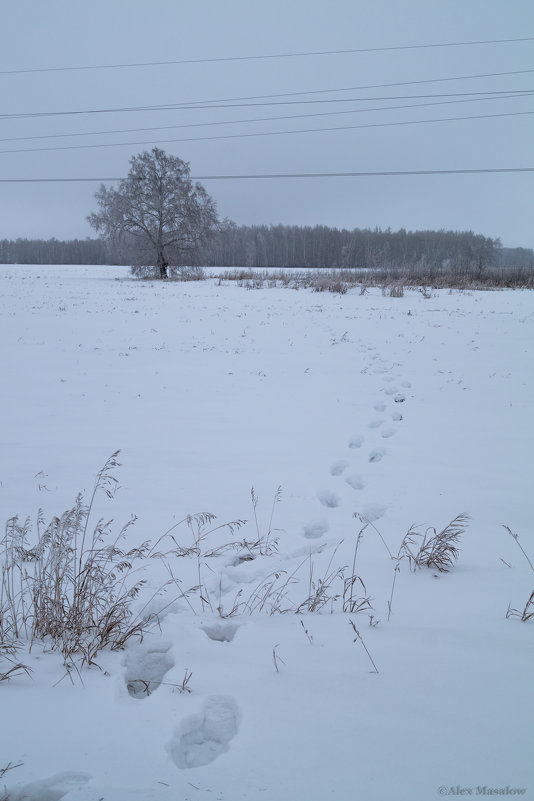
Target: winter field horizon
295,647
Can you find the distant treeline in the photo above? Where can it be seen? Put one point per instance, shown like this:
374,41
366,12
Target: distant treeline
287,246
320,246
54,251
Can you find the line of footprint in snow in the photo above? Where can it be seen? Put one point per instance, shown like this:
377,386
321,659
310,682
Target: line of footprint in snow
202,737
385,427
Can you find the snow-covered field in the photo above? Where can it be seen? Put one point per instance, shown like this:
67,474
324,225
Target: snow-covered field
406,411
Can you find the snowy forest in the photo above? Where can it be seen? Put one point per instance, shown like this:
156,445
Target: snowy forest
302,247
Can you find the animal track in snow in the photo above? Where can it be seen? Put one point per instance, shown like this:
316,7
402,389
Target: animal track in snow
376,423
146,668
355,481
356,441
338,467
379,406
221,631
391,390
377,454
315,530
328,498
373,511
202,738
399,398
396,416
388,431
51,789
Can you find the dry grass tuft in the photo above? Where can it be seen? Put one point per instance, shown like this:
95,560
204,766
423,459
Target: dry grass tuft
393,280
436,549
74,587
396,291
431,549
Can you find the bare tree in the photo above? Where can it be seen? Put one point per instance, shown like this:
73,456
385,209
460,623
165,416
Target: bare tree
157,214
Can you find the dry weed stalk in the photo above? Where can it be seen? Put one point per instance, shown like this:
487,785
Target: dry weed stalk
145,687
263,545
199,527
306,632
14,670
234,609
516,538
352,602
271,593
526,614
528,611
277,658
184,686
360,638
320,591
10,766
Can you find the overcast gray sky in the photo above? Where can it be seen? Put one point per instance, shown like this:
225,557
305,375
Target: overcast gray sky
75,33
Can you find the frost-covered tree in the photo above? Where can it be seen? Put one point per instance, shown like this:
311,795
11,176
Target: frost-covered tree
157,214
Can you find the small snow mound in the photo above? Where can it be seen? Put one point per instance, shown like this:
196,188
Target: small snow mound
51,789
221,631
200,739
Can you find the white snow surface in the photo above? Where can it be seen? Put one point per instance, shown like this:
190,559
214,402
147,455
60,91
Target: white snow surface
405,410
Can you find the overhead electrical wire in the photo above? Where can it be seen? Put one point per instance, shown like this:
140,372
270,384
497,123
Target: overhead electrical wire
226,105
195,103
269,133
367,174
215,60
499,96
371,86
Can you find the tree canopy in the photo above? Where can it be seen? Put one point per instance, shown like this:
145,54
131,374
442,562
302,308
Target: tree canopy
156,214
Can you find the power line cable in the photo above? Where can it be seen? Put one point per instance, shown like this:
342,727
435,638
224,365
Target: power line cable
497,96
270,133
369,86
212,105
366,174
216,60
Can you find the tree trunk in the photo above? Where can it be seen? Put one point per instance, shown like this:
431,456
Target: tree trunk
162,265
